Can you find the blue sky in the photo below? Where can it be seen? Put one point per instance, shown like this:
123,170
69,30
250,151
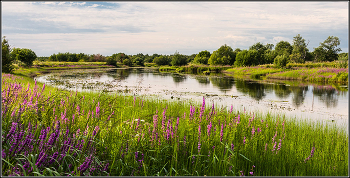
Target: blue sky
165,27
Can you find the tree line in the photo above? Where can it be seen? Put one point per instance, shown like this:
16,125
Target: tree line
257,54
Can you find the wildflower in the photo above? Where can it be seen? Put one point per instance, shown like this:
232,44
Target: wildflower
244,141
232,147
98,109
209,128
251,173
274,147
253,131
221,132
95,130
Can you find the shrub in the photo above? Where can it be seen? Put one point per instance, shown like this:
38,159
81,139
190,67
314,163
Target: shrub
281,61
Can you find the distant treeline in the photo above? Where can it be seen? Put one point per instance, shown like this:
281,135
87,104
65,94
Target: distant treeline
257,54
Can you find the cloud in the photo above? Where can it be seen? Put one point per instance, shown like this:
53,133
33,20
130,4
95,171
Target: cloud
163,27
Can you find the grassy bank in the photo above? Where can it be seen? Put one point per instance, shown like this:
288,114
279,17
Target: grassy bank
42,67
300,72
194,69
47,131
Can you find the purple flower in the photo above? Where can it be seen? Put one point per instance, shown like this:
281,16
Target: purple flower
232,146
251,173
244,141
53,157
221,132
98,109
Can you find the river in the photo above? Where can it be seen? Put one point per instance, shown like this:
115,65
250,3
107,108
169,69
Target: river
325,103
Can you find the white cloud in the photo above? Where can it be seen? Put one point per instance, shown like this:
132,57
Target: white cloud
170,26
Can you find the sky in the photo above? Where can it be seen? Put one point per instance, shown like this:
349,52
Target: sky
149,27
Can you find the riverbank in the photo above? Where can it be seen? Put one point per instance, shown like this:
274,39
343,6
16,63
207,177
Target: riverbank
135,135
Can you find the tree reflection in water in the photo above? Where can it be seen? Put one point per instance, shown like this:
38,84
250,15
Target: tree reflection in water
253,89
327,95
223,83
299,93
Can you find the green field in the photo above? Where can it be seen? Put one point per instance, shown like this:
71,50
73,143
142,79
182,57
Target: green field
47,131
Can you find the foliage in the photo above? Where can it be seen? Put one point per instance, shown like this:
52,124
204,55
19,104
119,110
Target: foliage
247,58
261,49
223,56
162,60
300,50
27,56
281,61
127,62
111,61
202,57
6,59
149,59
283,47
269,56
327,51
178,59
138,61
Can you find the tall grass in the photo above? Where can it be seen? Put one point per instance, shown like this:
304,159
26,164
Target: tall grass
135,135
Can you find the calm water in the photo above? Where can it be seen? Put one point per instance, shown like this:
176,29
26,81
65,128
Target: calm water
316,102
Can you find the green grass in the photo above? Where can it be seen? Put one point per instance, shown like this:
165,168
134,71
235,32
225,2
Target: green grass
148,127
311,72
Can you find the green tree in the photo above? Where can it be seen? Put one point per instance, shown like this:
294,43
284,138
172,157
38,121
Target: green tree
283,47
223,56
179,59
202,57
328,51
137,60
247,58
269,56
127,62
300,51
27,56
6,59
162,60
191,57
261,49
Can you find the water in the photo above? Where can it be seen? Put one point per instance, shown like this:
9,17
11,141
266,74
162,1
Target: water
327,103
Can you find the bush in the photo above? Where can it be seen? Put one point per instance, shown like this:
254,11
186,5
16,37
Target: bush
111,61
27,56
281,61
127,62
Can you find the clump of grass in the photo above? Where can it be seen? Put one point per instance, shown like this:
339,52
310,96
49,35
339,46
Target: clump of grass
141,136
335,75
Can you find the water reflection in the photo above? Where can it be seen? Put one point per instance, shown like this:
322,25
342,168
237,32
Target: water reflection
177,78
327,95
299,93
253,89
282,91
223,83
202,80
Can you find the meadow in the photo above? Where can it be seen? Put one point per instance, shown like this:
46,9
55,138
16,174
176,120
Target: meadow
48,131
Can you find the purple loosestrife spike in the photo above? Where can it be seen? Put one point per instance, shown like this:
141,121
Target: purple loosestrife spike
231,108
244,141
12,130
221,132
98,109
209,128
274,147
253,131
43,88
13,113
232,146
251,173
